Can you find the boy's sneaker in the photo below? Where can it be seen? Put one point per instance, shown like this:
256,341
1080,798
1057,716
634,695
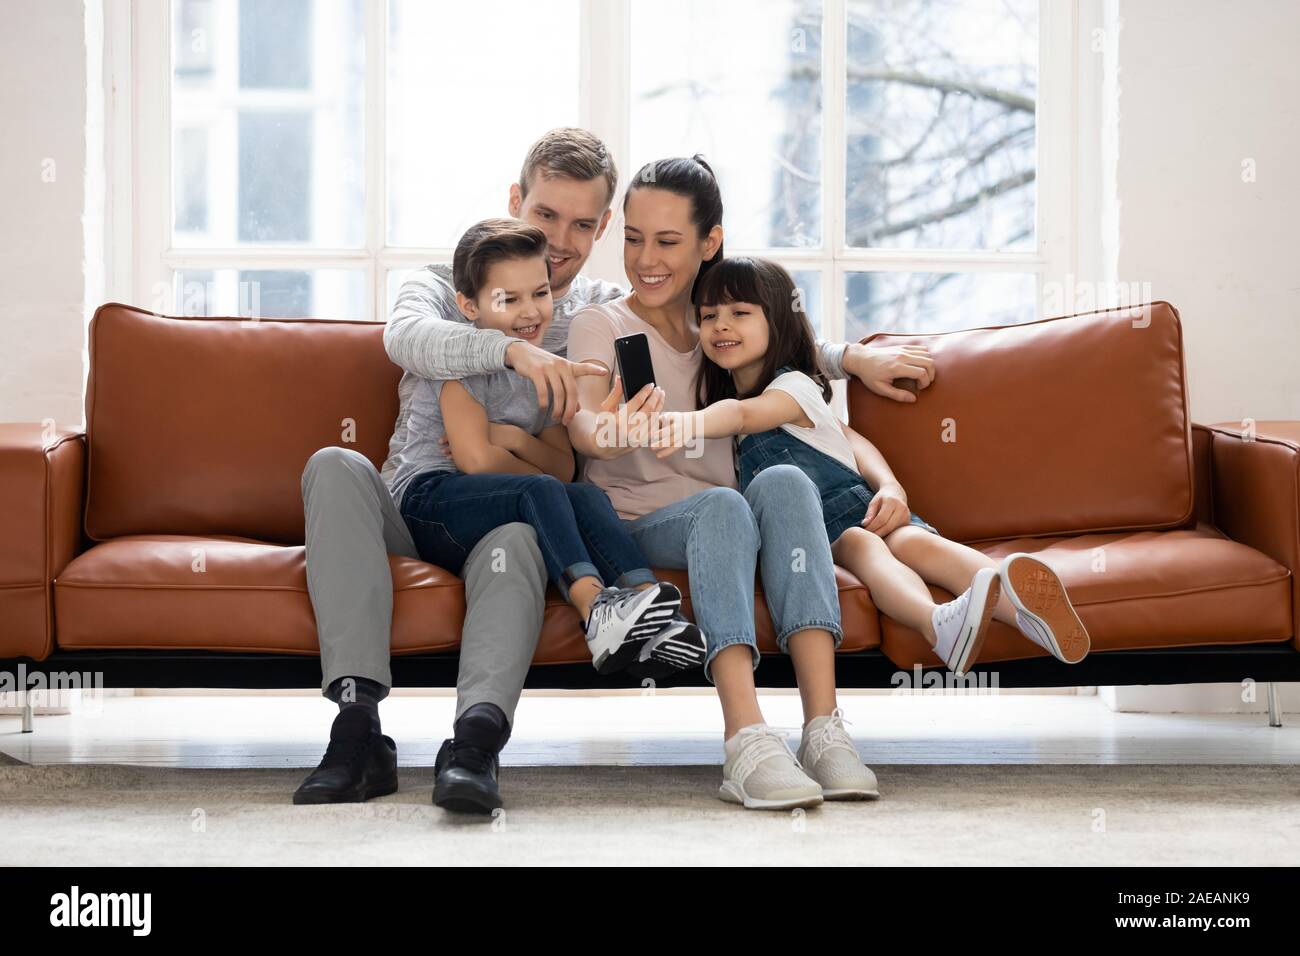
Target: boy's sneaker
761,773
678,647
827,754
961,625
1044,613
622,620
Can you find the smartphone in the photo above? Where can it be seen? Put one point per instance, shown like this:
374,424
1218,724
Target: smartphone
634,365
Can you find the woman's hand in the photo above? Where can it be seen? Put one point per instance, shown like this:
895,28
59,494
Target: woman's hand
631,425
888,510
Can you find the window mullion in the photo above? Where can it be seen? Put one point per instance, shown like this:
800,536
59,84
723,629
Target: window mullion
376,201
151,147
605,81
834,153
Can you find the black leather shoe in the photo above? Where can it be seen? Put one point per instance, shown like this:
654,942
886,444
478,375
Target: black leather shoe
466,769
358,764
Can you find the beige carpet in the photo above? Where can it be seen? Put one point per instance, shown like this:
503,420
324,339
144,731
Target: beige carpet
1111,815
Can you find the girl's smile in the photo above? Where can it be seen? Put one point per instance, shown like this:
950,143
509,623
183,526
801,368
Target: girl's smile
734,334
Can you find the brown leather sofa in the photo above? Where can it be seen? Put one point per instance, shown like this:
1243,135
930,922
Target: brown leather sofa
163,547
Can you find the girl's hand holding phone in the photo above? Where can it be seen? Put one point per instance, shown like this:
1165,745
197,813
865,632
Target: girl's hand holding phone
672,433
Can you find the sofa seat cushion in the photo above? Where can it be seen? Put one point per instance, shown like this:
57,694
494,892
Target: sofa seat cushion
145,591
148,592
1139,589
562,641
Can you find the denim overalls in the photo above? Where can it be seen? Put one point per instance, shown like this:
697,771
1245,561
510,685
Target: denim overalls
844,494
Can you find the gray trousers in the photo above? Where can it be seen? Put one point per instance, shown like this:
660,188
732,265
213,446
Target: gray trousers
353,525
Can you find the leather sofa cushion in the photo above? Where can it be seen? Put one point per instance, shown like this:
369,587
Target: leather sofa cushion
203,426
1061,426
1137,589
144,592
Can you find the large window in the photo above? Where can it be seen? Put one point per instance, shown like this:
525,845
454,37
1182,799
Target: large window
907,160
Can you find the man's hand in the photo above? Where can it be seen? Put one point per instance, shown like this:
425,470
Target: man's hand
555,378
888,510
878,366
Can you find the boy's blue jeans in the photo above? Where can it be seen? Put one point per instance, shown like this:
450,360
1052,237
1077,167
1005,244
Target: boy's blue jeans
578,531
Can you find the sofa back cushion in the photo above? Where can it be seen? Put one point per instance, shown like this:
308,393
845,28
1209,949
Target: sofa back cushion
203,426
1061,426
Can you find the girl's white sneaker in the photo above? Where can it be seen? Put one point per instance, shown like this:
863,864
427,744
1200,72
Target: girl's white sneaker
761,773
961,625
1044,613
827,754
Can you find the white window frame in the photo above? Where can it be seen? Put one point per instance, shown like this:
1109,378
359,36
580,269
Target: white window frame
142,168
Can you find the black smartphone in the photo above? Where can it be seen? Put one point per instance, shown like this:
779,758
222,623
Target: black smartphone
634,365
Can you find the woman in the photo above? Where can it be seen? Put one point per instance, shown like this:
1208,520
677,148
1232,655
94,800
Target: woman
685,511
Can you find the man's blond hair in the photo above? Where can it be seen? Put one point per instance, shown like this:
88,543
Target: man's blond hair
573,153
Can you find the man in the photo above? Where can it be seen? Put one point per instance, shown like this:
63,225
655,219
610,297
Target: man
565,188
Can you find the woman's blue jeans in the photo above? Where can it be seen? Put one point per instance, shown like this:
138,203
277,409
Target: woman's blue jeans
721,537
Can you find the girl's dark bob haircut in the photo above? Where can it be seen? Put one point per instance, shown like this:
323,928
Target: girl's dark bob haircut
790,336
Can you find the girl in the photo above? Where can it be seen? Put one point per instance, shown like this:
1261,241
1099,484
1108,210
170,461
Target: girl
761,381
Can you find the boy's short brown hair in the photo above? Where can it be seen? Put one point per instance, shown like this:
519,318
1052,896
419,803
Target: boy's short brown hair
573,153
492,241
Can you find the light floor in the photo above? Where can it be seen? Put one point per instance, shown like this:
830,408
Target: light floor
1001,780
672,728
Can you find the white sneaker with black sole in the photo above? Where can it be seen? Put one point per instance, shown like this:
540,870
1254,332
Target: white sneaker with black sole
961,625
623,620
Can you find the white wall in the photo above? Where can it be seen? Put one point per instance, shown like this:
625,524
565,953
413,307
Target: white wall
43,98
1206,85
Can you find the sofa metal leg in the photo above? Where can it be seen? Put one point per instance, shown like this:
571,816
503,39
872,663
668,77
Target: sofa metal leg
27,711
1274,713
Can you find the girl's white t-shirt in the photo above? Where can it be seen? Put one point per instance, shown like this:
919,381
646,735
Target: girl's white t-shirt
826,435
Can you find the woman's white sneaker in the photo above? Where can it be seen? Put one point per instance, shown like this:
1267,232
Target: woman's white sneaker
761,773
827,754
961,625
1044,613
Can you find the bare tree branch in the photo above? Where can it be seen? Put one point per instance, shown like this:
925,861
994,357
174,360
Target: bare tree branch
955,209
1012,101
